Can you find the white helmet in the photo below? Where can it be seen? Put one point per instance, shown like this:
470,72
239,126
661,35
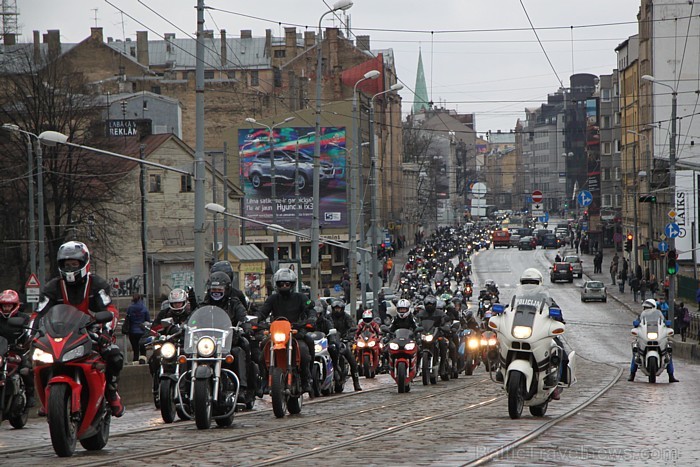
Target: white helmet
367,316
531,276
403,308
649,303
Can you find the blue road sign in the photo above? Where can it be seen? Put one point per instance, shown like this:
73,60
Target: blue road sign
672,230
544,218
663,247
337,288
584,198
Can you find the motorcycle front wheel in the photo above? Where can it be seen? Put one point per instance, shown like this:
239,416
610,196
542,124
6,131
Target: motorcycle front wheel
277,392
366,367
426,370
516,394
202,403
653,368
167,400
62,427
401,377
539,410
99,439
18,421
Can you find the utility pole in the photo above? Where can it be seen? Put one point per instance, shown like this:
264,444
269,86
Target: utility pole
199,228
144,222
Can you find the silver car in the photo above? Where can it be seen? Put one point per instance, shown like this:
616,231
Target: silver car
593,290
576,263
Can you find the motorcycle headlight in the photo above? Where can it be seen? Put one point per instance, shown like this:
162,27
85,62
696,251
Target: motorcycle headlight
318,348
360,344
428,338
484,342
73,354
372,343
473,344
279,337
410,346
394,346
41,356
652,335
157,346
206,347
522,332
493,341
168,350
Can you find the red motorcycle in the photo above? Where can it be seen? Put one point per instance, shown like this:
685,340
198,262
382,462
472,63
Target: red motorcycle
13,397
69,376
403,359
367,353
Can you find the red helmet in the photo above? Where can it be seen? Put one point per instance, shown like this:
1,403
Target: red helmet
9,303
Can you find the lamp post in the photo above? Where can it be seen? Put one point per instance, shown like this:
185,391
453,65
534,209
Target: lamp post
375,201
273,177
315,226
635,196
40,197
672,184
354,181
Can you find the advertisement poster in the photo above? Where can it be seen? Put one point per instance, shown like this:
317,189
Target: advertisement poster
293,150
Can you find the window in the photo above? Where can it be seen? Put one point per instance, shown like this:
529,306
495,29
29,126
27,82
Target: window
606,175
618,173
281,53
208,74
145,105
606,148
616,118
154,183
607,200
185,183
605,121
605,95
617,146
231,74
618,200
254,79
155,89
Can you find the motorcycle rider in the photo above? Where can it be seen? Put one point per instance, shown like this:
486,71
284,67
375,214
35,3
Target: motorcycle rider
294,306
17,337
492,288
345,325
367,322
225,266
89,293
178,309
404,318
430,312
650,304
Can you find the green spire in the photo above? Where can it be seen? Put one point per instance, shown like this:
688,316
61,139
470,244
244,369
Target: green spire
421,101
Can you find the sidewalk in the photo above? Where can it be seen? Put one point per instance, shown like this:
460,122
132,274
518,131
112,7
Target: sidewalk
688,350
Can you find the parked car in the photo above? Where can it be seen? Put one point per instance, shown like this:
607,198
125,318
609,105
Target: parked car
561,272
594,290
576,263
514,240
260,171
550,241
527,243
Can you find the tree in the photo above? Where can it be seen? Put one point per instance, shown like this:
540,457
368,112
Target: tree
40,95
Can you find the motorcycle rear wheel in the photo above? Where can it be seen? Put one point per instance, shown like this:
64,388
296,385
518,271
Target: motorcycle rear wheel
167,401
401,377
62,428
202,403
279,399
653,368
99,440
539,410
18,421
425,371
516,394
316,380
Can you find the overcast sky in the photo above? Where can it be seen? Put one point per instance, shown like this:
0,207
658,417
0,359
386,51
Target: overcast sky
494,72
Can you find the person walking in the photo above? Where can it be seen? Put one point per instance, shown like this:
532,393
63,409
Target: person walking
622,276
634,285
683,316
137,314
643,286
613,271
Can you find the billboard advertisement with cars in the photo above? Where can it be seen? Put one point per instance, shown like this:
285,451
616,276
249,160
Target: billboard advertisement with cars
292,151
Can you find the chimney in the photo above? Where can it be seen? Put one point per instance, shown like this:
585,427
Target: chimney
110,40
246,34
37,47
54,40
169,39
96,34
268,42
332,38
362,42
208,34
142,48
309,39
290,43
9,39
224,49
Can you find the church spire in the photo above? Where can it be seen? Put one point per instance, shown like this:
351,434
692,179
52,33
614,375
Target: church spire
422,102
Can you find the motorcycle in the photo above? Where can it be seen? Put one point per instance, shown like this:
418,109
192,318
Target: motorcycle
429,351
468,351
484,306
69,376
468,291
403,359
322,373
530,354
367,353
213,389
283,359
651,347
489,350
13,396
341,370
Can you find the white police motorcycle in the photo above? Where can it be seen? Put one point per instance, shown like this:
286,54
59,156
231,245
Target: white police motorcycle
651,348
530,356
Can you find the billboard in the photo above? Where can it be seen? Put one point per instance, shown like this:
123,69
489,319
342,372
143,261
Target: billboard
292,162
686,209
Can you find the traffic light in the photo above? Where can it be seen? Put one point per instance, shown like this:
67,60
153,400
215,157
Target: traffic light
671,265
628,243
647,198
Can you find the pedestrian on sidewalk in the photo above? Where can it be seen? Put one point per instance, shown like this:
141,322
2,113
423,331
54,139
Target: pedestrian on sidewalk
682,315
613,271
634,285
697,297
622,276
643,286
137,314
653,285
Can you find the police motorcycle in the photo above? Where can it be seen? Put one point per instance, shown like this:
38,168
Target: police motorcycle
651,347
213,389
530,357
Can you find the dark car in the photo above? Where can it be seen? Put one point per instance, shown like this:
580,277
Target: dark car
260,171
539,235
562,272
527,243
550,241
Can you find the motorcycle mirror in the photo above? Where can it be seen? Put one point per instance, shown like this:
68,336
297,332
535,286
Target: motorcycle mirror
103,317
635,323
384,328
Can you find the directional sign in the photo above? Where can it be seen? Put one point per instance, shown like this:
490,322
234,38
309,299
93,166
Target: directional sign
584,198
537,196
663,247
672,230
537,209
544,218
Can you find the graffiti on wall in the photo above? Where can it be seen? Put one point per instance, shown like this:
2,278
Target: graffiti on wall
126,287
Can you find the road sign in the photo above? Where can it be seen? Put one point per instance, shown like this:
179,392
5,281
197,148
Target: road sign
537,196
32,299
479,190
672,213
584,198
544,218
663,247
33,281
672,230
537,209
617,237
663,237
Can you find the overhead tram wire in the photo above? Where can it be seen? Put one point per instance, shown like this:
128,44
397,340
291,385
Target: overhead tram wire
542,45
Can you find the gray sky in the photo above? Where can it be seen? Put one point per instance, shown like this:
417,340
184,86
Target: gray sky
495,74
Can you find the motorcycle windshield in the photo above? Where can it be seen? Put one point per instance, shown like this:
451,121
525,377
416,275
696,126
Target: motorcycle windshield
404,334
3,346
209,321
62,320
652,316
428,326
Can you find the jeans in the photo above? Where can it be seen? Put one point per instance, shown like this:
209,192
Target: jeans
669,368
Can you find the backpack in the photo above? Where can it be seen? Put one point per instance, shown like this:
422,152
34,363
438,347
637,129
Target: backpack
686,315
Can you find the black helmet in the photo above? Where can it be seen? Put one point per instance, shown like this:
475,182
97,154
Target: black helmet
430,303
219,286
222,266
338,307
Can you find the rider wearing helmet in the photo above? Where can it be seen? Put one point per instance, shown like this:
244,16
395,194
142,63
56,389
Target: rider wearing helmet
368,322
531,276
650,304
296,307
492,288
404,318
431,313
90,293
17,337
344,325
178,308
225,266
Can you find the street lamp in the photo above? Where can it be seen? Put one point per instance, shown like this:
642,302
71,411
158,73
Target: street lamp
273,177
672,184
354,182
635,196
315,226
374,179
